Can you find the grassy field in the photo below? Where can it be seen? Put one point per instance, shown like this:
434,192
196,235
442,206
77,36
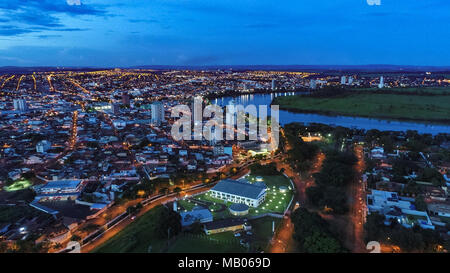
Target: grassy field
188,206
18,185
395,106
262,230
137,237
140,237
226,242
202,243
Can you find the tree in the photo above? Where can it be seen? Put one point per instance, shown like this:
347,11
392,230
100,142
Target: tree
403,167
420,203
315,195
163,190
131,209
29,175
433,176
177,190
268,169
335,199
168,223
374,227
75,238
312,233
387,143
337,171
407,239
3,247
320,242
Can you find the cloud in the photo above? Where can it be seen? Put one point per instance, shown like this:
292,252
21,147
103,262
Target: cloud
25,16
143,21
48,36
73,2
52,7
37,18
13,31
261,25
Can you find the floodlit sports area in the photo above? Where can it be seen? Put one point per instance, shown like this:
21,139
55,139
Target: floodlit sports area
279,194
18,185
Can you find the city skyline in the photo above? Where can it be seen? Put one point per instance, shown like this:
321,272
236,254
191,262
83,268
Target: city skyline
122,34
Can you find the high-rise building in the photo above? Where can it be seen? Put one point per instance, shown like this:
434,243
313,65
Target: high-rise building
343,80
197,106
115,108
43,146
157,109
218,150
381,85
125,99
350,80
312,84
274,84
230,119
198,102
20,105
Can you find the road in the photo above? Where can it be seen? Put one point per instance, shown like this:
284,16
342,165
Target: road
282,240
117,210
71,144
357,206
119,227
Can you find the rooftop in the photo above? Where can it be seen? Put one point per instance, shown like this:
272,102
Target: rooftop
229,222
62,184
240,188
188,218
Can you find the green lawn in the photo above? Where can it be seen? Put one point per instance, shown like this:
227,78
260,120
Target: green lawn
186,204
136,237
202,243
276,201
395,106
226,242
262,230
139,237
417,90
18,185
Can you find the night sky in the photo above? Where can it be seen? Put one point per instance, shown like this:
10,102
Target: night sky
223,32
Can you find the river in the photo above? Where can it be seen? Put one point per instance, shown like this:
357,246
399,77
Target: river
344,121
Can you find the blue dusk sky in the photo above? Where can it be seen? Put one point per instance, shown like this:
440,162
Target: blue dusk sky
223,32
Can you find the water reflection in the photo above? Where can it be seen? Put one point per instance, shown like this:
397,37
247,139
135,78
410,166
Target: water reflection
350,122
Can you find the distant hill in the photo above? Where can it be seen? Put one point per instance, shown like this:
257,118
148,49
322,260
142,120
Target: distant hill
307,68
312,68
28,70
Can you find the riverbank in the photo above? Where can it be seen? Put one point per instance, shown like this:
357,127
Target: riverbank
236,93
435,108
